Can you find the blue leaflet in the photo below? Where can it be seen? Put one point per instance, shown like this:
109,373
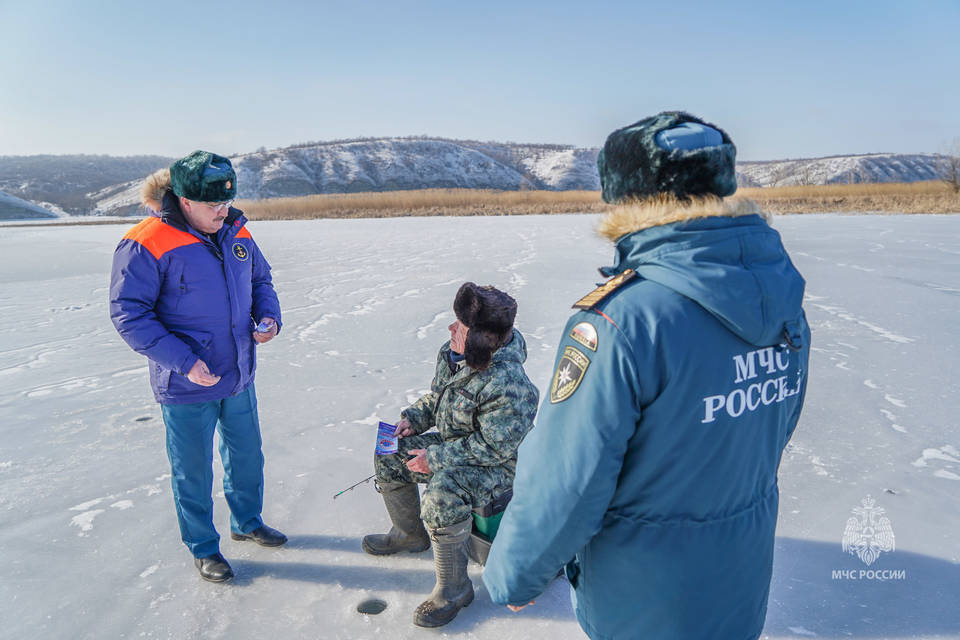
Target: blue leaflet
386,440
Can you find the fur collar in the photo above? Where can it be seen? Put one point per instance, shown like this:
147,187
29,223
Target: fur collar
666,208
154,188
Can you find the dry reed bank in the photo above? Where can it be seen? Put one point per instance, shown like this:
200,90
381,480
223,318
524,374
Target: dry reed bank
423,202
916,197
892,197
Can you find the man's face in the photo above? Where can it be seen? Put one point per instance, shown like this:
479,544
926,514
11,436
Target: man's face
206,217
458,336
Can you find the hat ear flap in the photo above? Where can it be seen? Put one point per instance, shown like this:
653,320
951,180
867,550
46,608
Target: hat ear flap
465,304
479,348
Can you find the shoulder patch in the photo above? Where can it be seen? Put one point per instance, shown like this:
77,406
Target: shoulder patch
159,238
240,252
591,299
568,375
243,233
586,334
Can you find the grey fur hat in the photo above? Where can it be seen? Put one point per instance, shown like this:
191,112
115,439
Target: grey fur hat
671,152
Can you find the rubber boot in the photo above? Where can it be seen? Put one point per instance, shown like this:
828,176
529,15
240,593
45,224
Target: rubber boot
453,590
407,533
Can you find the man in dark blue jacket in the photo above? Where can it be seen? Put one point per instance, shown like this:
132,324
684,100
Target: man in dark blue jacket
191,291
652,472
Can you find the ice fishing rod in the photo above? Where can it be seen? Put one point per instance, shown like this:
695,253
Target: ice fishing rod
357,484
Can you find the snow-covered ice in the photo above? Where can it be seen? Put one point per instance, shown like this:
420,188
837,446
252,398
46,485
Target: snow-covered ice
90,544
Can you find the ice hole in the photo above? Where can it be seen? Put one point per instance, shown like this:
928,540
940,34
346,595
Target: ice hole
373,606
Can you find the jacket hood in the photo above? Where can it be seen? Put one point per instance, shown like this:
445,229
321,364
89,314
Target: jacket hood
515,350
723,255
154,188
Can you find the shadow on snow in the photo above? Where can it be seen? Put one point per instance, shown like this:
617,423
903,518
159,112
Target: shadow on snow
806,598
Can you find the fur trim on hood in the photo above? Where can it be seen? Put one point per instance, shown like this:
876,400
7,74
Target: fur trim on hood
154,188
666,208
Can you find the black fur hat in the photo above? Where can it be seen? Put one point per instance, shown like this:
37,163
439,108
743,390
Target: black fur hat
488,313
634,163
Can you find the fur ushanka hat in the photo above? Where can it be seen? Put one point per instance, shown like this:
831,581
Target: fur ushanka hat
488,313
671,152
204,177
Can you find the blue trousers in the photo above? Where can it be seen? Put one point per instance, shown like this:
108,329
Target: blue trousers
190,449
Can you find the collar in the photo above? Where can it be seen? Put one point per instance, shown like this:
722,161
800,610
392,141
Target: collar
454,360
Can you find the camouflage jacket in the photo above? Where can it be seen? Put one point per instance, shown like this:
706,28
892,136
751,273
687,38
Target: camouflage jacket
481,415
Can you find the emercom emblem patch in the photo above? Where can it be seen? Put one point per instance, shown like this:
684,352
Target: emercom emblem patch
568,375
240,252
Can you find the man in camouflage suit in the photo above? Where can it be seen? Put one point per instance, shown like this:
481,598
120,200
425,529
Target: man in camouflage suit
482,404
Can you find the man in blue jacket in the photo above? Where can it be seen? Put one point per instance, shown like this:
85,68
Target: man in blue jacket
652,472
191,291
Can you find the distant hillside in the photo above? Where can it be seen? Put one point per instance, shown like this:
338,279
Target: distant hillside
390,164
72,182
13,208
104,185
875,167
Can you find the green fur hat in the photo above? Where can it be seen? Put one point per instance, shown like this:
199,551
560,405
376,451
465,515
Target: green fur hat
671,152
204,177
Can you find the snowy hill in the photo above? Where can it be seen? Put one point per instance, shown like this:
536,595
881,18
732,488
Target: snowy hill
70,182
102,185
90,542
877,167
396,164
376,165
411,163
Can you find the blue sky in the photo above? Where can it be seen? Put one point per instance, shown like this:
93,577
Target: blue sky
784,79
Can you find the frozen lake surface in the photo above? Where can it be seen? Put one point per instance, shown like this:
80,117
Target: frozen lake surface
90,546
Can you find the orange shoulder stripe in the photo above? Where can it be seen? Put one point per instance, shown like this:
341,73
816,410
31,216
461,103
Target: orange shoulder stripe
159,238
609,319
243,233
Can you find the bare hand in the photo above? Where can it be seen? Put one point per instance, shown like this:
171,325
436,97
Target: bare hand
200,374
523,606
418,464
403,429
266,336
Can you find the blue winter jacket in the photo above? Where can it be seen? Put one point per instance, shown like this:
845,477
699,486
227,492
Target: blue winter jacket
654,460
177,296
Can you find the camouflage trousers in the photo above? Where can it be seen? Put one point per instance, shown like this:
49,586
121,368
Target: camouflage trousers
451,493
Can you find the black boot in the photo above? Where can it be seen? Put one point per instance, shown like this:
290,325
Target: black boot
407,533
214,568
262,535
453,590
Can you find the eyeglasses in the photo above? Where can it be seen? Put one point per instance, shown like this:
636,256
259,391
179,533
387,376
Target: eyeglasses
217,206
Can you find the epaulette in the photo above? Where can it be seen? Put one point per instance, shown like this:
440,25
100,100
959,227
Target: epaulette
590,300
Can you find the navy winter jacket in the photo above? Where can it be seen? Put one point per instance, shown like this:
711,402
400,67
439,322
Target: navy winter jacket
177,296
653,464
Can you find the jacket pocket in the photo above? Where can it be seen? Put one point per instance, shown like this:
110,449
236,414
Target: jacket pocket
163,379
463,410
172,288
198,341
